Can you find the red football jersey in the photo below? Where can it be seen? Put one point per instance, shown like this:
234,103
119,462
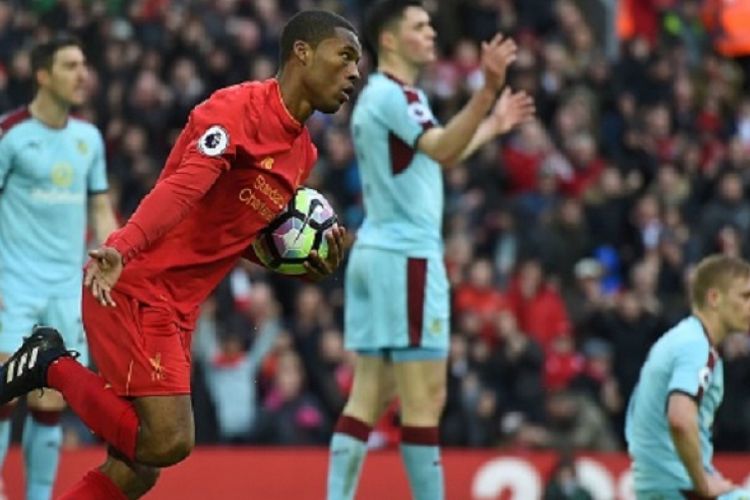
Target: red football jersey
234,167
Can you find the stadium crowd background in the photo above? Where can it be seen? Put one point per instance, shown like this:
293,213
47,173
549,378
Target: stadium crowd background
568,242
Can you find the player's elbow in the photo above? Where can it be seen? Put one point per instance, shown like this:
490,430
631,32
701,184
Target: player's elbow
451,161
443,157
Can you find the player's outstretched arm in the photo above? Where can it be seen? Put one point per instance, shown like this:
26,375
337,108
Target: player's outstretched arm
446,144
164,207
682,415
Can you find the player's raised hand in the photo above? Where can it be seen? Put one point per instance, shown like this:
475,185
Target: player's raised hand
497,55
317,267
512,109
102,272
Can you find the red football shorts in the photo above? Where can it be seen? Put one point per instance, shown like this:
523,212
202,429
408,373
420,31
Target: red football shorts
139,349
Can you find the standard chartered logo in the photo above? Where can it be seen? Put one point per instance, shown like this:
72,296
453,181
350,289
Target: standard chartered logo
57,196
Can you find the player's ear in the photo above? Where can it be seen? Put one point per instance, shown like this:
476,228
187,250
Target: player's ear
42,77
302,51
712,297
388,40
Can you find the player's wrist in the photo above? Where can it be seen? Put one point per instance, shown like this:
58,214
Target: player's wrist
486,92
120,246
700,483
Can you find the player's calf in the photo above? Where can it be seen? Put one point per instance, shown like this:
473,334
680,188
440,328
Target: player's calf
133,479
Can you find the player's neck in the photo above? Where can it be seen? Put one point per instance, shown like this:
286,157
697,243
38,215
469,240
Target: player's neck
399,69
49,110
293,97
712,326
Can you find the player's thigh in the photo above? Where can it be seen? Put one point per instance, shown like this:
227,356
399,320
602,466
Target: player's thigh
421,377
360,294
140,350
18,315
373,387
64,314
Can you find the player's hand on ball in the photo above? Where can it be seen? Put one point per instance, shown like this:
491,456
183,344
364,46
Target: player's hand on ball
512,109
497,55
102,272
317,267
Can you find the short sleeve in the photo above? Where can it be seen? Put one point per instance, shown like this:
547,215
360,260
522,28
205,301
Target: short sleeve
6,159
692,368
97,175
405,111
212,133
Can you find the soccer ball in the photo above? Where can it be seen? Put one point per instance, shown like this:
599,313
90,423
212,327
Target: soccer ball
284,245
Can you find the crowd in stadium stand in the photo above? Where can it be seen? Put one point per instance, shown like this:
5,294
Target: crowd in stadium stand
568,243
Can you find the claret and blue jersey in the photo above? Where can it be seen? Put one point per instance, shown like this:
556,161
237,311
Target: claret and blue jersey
46,175
397,293
684,361
403,187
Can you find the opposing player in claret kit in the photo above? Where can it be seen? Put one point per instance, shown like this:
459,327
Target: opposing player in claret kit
681,385
397,298
236,164
53,187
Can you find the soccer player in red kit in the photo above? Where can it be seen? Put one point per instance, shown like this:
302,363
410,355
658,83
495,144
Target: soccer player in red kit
236,164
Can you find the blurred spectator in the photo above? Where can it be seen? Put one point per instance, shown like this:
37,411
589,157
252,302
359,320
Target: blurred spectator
537,305
562,363
575,422
514,370
564,483
733,418
598,382
564,240
291,415
630,330
479,296
231,369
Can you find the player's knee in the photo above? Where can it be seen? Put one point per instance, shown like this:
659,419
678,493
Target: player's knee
176,449
439,399
48,401
425,409
166,448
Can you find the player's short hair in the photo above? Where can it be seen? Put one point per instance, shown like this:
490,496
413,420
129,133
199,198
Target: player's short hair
382,15
43,54
715,271
311,26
